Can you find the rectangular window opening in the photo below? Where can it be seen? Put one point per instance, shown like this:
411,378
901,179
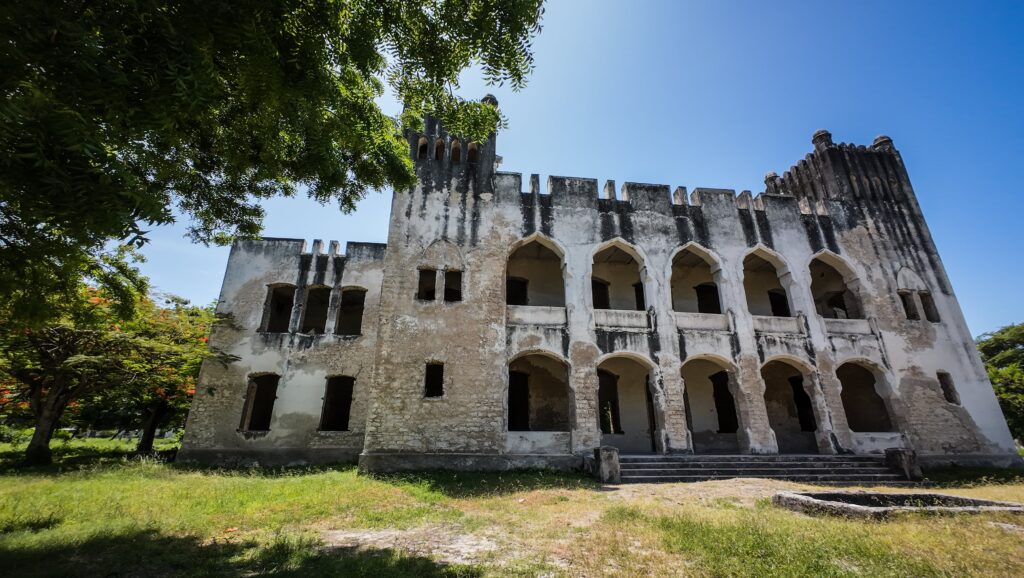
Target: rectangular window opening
314,316
518,401
452,286
337,403
608,402
516,291
350,312
602,297
931,313
779,303
638,293
427,290
707,298
259,403
433,380
948,389
909,307
278,312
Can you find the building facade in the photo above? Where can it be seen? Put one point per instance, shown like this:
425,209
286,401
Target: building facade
501,328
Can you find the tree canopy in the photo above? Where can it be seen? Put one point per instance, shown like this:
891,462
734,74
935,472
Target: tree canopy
119,115
1003,354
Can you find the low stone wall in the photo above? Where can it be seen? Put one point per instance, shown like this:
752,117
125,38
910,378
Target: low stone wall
398,462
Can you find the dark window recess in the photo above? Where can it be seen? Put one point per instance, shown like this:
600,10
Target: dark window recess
638,293
599,289
427,285
452,286
804,411
948,389
779,303
439,150
835,306
707,298
279,309
652,425
608,402
433,380
516,291
314,317
456,153
350,312
725,405
473,153
337,403
518,401
931,313
259,403
422,150
909,308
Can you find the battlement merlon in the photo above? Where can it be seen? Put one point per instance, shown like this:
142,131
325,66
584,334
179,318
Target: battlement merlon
831,172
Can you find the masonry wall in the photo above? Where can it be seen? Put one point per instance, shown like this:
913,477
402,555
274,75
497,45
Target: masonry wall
850,206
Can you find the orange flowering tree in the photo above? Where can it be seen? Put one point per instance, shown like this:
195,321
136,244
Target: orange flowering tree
54,365
174,337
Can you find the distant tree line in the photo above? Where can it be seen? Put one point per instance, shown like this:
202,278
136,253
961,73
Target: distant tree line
1003,354
100,368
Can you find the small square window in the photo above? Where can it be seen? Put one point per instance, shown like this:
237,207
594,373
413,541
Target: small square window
948,389
452,286
427,290
909,307
433,380
931,313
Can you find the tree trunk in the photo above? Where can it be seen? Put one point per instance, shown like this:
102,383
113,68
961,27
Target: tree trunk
38,451
157,412
48,414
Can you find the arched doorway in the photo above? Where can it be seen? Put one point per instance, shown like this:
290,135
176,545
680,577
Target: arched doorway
538,394
763,285
626,405
833,297
615,279
710,407
790,409
534,275
694,287
865,408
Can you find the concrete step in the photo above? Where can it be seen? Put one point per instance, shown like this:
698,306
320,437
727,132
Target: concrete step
631,458
738,464
755,472
859,479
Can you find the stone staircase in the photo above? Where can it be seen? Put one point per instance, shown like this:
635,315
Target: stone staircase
819,469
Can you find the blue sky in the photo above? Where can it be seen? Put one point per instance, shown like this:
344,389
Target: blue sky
715,94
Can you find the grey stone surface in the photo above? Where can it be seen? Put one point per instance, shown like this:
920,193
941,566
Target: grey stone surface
882,505
850,207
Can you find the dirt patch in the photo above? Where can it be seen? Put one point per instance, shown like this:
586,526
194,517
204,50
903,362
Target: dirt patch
440,543
741,492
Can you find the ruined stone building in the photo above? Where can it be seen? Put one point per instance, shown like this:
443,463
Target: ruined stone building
508,325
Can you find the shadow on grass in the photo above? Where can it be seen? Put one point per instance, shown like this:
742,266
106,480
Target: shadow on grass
955,476
149,553
473,484
70,458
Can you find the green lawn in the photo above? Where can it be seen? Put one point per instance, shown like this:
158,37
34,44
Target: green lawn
100,512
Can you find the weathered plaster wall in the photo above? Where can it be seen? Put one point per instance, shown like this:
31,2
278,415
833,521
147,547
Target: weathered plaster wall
851,205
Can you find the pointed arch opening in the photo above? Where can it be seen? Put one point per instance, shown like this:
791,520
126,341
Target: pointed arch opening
865,408
456,151
472,153
626,413
833,289
762,283
694,286
439,149
789,407
538,394
616,281
710,406
534,276
421,148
